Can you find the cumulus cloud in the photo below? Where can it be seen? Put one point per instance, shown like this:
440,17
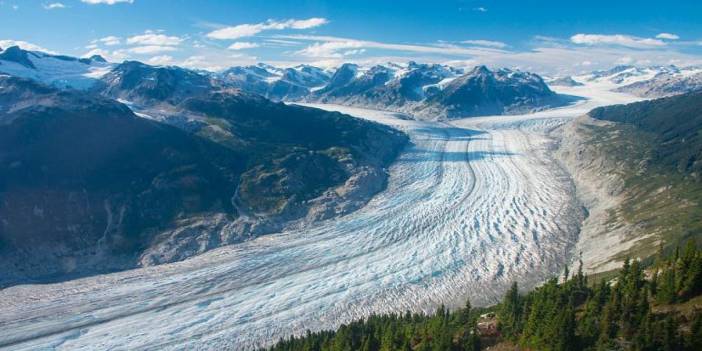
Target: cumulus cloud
354,52
241,45
247,30
54,6
6,43
200,62
616,39
110,40
106,2
488,43
160,60
668,36
154,38
151,49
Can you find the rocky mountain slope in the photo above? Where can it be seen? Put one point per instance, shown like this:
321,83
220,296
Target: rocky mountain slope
637,171
87,186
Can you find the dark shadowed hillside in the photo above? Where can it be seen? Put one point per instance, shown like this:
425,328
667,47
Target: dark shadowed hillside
87,186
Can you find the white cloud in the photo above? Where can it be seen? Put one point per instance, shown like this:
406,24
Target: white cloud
160,60
93,52
626,60
354,52
106,2
668,36
200,62
304,24
280,42
334,47
110,40
151,49
247,30
153,38
480,9
330,49
488,43
6,43
241,45
616,39
53,6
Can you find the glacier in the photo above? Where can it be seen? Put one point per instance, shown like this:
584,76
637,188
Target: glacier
471,206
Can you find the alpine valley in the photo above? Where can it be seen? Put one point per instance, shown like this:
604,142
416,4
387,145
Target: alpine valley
297,207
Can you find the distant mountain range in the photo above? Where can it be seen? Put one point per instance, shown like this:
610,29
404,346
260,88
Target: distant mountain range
650,82
430,91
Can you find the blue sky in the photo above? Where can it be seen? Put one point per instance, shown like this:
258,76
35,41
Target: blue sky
543,36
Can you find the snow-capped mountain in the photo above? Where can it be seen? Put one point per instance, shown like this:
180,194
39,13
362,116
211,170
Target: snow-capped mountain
276,83
437,91
666,84
430,91
144,84
648,82
58,70
385,84
485,92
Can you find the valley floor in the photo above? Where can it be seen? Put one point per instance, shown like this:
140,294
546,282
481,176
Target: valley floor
470,207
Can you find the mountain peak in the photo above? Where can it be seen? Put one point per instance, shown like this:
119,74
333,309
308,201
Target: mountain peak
480,70
17,55
97,58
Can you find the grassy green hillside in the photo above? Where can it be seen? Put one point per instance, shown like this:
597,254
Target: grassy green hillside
658,148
